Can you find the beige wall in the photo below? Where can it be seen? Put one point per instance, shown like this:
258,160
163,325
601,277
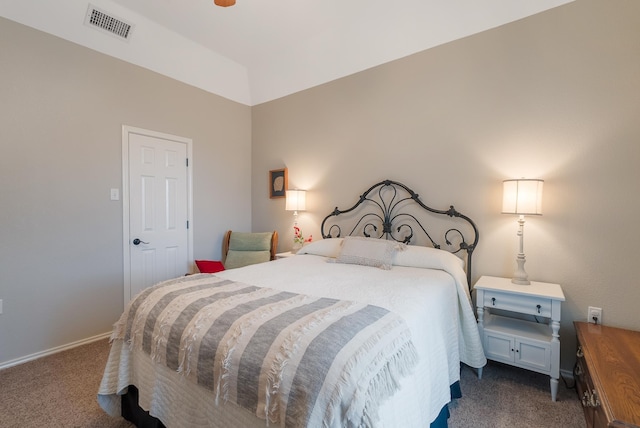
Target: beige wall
555,96
62,108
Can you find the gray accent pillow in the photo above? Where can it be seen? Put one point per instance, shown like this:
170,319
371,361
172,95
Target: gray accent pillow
368,252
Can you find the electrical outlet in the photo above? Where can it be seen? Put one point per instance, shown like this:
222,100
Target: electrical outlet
594,315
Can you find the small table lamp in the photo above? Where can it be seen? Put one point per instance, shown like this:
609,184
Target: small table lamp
522,197
296,201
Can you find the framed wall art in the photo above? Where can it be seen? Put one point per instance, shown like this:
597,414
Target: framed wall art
278,182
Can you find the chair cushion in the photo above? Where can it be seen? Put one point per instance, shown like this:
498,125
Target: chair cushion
236,259
246,241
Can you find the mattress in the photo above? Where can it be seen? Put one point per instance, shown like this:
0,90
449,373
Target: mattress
432,298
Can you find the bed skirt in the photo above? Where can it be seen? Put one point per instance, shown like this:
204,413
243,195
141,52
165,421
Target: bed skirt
132,412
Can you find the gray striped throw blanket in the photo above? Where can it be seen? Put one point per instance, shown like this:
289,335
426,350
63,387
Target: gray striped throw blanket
292,359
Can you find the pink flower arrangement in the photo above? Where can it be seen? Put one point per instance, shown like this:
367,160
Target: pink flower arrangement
298,238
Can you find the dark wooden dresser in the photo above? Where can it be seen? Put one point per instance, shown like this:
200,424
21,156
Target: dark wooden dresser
608,375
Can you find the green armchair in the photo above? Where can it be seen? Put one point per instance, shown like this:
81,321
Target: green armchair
243,249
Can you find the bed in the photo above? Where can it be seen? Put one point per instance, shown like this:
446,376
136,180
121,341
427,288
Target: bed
358,329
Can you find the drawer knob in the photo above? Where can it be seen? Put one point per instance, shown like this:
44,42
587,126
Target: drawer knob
577,371
579,353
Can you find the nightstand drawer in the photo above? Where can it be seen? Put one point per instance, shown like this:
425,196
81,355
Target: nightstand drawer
517,303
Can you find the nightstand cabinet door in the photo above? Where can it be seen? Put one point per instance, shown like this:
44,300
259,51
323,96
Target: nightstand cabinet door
499,347
531,354
535,355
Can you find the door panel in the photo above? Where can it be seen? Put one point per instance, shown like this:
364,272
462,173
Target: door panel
147,202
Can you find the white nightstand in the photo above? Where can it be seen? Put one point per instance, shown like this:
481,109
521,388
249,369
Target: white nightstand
285,255
532,343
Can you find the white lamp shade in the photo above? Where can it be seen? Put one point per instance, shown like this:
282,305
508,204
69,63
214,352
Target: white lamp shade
522,197
296,200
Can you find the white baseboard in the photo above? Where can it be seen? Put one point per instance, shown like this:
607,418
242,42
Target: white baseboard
55,350
567,374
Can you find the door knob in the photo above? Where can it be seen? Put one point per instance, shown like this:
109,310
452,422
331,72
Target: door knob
138,242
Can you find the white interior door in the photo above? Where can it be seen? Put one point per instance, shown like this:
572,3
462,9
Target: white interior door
157,194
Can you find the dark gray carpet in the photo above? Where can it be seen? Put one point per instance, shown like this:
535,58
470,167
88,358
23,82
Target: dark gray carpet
60,391
57,391
512,397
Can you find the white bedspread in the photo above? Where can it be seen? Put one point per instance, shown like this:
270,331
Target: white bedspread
434,303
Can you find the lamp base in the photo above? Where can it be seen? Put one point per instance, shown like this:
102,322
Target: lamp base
520,276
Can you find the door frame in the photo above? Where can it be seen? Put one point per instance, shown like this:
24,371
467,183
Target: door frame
126,245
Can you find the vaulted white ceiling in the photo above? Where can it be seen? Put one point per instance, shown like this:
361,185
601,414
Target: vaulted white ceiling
260,50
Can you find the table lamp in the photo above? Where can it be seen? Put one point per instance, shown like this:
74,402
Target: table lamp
296,200
522,197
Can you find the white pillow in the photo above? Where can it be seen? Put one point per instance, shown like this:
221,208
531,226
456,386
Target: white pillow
368,252
329,247
426,257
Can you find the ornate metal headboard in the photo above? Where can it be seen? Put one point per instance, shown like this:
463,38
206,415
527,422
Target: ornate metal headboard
386,210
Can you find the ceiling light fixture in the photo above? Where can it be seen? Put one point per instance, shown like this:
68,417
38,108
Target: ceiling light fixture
224,3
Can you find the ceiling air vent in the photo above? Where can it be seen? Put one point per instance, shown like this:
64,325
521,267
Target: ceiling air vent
107,23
